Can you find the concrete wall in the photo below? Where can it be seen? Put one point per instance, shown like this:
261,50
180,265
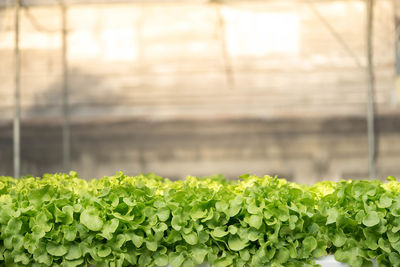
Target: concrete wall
267,61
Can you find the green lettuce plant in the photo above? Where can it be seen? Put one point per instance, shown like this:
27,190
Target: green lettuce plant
147,220
363,222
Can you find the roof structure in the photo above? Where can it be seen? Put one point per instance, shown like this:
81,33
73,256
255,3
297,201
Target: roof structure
5,3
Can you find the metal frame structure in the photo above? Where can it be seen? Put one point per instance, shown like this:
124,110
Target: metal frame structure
17,104
66,124
396,8
371,90
66,141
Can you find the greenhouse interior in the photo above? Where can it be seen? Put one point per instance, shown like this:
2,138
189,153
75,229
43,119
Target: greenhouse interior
207,133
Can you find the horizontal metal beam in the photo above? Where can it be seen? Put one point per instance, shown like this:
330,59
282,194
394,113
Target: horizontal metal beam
3,3
33,3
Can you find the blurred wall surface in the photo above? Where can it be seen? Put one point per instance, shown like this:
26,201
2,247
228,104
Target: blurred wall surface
269,87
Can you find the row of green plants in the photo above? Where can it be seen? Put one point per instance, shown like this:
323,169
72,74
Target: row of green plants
147,220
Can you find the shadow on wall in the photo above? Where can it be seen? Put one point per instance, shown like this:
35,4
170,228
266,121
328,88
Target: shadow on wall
41,130
48,104
103,145
300,149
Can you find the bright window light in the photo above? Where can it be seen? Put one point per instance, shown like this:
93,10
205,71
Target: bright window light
258,33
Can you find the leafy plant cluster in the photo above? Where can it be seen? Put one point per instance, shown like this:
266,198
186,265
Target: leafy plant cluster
146,220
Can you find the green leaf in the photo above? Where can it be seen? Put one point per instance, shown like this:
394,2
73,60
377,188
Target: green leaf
161,260
385,201
13,227
393,237
224,262
222,206
103,251
232,229
282,256
394,259
256,221
160,228
254,209
396,246
371,238
191,238
136,239
345,255
56,249
283,213
144,260
309,244
384,245
219,232
43,258
235,206
253,235
339,238
21,258
203,237
244,255
151,245
237,244
74,263
395,209
332,216
371,219
70,233
163,214
292,221
360,216
74,252
198,254
68,212
109,228
91,219
188,263
14,242
175,222
176,259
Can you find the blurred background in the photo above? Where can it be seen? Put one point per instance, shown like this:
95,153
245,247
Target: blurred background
194,87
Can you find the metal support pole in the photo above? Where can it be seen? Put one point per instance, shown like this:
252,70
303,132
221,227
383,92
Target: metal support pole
17,109
66,136
396,11
224,49
371,89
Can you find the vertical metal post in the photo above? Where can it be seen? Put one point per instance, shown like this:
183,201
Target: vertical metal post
224,49
371,89
66,136
17,109
396,11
